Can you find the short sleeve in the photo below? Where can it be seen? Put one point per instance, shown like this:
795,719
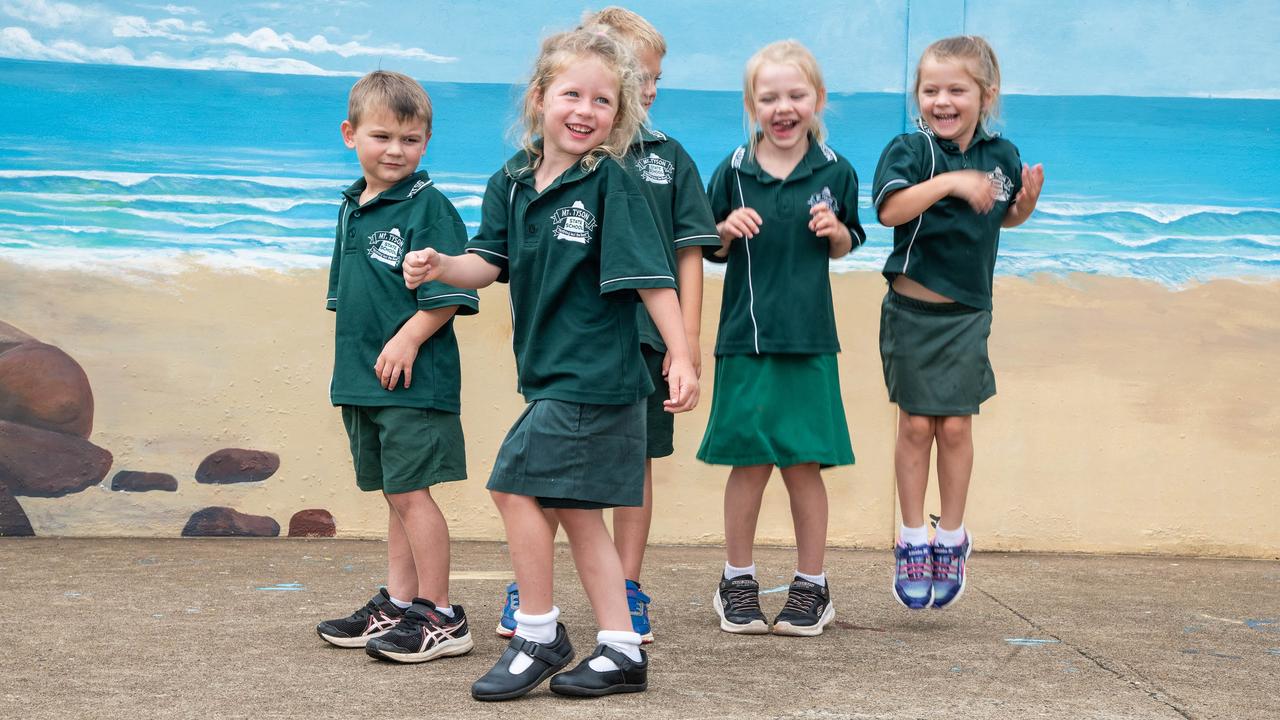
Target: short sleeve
331,298
490,241
693,223
631,246
899,168
849,208
449,236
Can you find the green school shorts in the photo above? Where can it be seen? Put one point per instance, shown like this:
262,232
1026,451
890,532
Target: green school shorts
660,425
935,355
574,455
399,449
779,409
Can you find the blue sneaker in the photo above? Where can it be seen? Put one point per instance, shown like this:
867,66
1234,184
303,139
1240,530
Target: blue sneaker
638,604
948,571
507,623
913,580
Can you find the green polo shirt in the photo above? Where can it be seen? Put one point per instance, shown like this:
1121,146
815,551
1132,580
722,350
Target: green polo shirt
574,256
777,292
950,248
366,288
671,184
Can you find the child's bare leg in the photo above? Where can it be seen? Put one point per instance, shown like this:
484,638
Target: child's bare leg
911,464
631,528
402,574
529,540
808,494
955,467
598,567
426,534
742,496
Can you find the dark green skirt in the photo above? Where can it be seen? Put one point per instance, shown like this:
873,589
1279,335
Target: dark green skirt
779,410
574,455
935,355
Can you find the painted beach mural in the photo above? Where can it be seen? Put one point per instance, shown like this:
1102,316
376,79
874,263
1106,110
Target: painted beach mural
169,179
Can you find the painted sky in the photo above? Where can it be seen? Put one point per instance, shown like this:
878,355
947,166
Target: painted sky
1088,47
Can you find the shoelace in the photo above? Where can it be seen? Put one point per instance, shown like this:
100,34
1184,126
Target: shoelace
802,599
744,598
947,563
915,567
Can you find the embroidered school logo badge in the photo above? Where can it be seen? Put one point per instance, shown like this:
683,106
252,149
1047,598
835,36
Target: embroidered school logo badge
385,246
575,223
1001,183
827,197
417,187
656,170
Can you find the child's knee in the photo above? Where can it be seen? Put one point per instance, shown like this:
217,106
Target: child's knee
955,431
916,429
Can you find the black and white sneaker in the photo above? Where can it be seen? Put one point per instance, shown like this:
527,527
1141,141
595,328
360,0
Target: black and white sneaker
807,612
424,634
737,602
373,620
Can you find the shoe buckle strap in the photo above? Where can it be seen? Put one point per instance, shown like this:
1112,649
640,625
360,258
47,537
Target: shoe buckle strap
536,650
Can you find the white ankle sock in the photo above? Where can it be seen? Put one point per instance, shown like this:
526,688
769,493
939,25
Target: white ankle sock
400,603
819,579
627,643
445,610
914,536
951,538
731,572
534,628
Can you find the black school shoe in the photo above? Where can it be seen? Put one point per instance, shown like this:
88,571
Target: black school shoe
375,619
500,684
737,602
807,612
582,681
424,634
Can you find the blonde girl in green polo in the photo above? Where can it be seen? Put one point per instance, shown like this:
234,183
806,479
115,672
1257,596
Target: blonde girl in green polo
785,204
946,189
569,229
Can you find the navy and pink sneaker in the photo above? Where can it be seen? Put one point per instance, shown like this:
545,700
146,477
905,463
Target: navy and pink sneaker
913,580
948,571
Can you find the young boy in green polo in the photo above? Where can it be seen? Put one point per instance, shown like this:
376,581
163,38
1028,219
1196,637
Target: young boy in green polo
396,373
669,179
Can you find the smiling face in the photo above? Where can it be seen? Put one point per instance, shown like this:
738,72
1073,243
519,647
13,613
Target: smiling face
389,149
950,100
577,110
784,104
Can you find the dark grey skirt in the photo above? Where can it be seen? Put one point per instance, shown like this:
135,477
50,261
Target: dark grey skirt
935,355
574,455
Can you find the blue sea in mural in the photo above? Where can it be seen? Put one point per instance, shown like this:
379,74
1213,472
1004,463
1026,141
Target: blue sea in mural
138,167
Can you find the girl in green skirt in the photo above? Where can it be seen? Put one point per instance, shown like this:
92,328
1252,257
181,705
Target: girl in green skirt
785,204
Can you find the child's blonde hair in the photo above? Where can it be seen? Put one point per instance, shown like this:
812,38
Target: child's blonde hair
634,29
980,62
559,52
393,91
782,52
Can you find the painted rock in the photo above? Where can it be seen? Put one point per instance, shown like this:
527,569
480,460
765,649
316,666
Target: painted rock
40,463
13,520
225,522
133,481
312,523
233,465
42,386
10,336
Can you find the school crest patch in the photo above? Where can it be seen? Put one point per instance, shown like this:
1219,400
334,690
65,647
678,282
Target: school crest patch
655,169
826,196
1001,183
574,223
386,246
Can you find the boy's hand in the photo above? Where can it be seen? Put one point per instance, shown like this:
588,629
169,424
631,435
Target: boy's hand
1029,195
695,358
422,266
682,381
973,187
743,222
396,359
825,224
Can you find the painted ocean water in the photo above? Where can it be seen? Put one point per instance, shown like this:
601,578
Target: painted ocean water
145,169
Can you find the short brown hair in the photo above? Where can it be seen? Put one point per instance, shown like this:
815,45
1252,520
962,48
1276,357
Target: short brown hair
630,27
392,91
